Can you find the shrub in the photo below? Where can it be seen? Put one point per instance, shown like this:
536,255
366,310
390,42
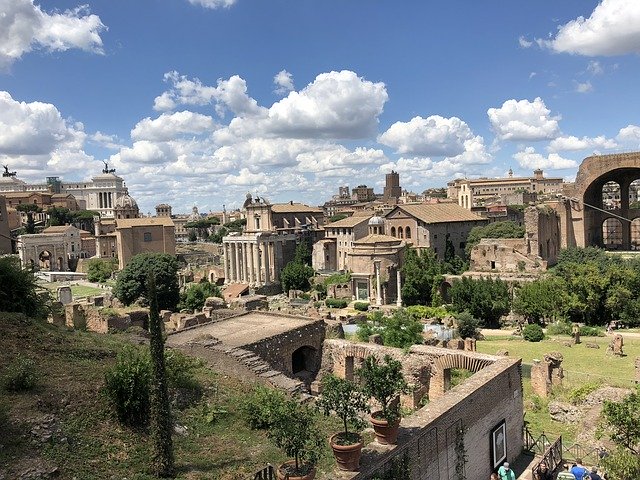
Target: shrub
384,382
468,325
336,302
586,331
420,311
559,328
180,370
194,296
361,306
100,270
127,387
262,407
20,375
400,330
579,394
533,333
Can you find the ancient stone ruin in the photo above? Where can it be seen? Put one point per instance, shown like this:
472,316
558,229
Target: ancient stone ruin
547,373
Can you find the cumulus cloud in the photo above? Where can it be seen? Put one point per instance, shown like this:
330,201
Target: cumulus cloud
584,87
25,27
229,95
613,28
34,137
246,178
531,160
434,135
524,43
111,142
170,126
283,81
629,134
213,4
571,143
524,120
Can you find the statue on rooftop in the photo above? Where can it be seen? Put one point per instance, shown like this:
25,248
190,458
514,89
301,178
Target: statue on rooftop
7,173
106,168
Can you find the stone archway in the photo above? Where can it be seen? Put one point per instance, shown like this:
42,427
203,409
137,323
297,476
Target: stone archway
304,361
441,373
45,260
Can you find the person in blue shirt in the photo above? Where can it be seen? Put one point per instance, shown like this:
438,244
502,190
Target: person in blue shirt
505,473
578,470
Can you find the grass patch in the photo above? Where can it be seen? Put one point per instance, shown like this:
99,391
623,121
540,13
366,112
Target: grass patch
89,443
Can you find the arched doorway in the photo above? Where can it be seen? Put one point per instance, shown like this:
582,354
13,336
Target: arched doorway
304,361
45,260
612,234
60,264
611,196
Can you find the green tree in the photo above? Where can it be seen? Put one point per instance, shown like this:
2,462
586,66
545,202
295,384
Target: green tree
486,299
192,237
400,330
545,299
131,281
101,269
468,325
19,291
295,276
337,217
506,229
194,296
161,421
58,216
421,270
384,382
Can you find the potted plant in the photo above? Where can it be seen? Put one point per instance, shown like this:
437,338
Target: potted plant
295,430
384,382
347,401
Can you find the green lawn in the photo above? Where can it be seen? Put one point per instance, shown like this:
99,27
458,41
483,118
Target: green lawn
581,365
86,291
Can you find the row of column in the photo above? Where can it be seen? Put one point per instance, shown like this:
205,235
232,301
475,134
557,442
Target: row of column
249,262
105,200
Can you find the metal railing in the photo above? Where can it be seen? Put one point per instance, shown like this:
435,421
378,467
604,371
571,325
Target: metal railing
535,444
552,458
267,473
588,455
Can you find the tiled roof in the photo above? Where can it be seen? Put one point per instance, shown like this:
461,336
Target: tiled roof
143,222
439,212
58,229
377,238
294,208
349,222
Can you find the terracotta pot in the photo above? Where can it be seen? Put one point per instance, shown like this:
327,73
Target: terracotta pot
386,433
347,456
282,475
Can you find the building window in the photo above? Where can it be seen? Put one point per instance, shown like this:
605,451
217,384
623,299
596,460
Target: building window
147,236
393,231
407,232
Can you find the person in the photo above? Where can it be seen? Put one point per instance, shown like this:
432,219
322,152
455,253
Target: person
594,474
543,473
505,473
578,470
494,476
566,474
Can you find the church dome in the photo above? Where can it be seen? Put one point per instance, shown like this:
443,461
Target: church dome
126,201
376,220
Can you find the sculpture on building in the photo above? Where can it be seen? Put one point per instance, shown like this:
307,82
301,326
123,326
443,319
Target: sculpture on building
7,173
106,168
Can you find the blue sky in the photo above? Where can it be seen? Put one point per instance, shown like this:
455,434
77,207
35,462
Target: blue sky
196,102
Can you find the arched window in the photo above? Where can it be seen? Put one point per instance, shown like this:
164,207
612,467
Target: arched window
393,231
400,232
407,232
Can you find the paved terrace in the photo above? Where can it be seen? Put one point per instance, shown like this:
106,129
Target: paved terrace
240,330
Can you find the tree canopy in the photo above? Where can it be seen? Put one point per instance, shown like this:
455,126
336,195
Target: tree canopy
485,299
19,291
421,271
194,296
296,274
131,282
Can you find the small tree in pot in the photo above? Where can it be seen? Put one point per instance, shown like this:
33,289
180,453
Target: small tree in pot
348,402
295,430
384,382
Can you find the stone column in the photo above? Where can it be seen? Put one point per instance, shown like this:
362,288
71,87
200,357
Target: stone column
399,289
243,259
267,270
277,261
378,291
238,269
252,268
257,263
227,263
624,212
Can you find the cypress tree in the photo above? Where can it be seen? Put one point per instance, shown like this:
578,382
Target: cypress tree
161,423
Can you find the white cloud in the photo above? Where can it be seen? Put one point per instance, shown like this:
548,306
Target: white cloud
584,87
246,178
613,28
170,126
630,134
595,68
34,137
213,4
532,160
524,120
227,95
571,143
283,81
434,135
108,141
524,43
25,27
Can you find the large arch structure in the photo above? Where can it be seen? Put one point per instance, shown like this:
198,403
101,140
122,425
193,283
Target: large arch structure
589,221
